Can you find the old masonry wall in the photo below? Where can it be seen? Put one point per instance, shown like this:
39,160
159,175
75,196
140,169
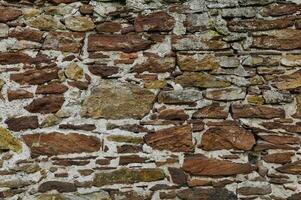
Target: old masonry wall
150,99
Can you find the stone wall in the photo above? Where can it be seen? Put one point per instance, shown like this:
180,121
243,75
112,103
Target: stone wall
150,99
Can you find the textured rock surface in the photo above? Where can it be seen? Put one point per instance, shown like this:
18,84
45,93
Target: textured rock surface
150,99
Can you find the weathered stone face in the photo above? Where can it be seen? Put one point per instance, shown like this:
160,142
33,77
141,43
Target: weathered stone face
8,141
47,104
202,166
177,139
116,100
126,43
56,143
252,111
9,14
227,137
127,176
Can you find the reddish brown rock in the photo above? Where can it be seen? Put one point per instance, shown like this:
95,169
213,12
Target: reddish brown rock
155,64
9,14
125,43
297,114
200,193
58,186
59,143
277,125
108,27
125,160
213,111
52,88
79,84
177,175
284,39
173,114
259,24
177,139
202,166
47,104
84,127
291,168
129,149
103,70
283,139
276,9
14,58
22,123
29,34
279,158
18,94
256,111
64,41
35,77
290,82
158,21
263,146
227,137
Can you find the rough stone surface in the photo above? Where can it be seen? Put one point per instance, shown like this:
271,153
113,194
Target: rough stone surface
177,139
59,143
150,99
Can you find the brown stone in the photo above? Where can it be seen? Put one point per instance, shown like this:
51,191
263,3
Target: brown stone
197,62
35,77
189,96
279,158
201,80
279,9
129,149
173,114
277,125
284,39
22,123
297,114
213,111
47,104
158,21
103,70
202,166
86,9
226,94
263,146
52,88
8,58
62,1
56,143
108,27
116,100
29,34
259,24
58,186
256,111
227,137
283,139
291,168
9,14
125,160
64,41
79,84
84,127
254,188
177,175
199,193
289,82
125,43
176,139
155,64
18,94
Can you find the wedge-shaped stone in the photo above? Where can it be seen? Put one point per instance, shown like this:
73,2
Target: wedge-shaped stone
291,168
8,141
127,176
125,43
116,100
202,166
256,111
56,143
227,137
177,139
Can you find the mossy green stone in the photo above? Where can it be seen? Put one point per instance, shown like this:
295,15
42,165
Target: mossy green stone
8,141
